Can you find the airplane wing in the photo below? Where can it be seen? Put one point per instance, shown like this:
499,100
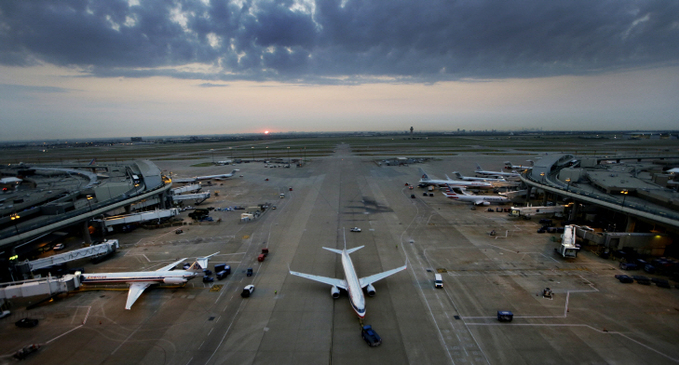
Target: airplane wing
342,284
373,278
170,266
135,291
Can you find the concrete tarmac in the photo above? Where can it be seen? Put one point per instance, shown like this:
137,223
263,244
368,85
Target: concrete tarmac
592,318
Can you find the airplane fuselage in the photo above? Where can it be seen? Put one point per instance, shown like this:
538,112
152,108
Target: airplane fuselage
173,277
354,289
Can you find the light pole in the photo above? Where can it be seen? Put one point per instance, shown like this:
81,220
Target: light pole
267,153
624,193
253,153
213,155
288,155
543,177
568,180
15,217
89,197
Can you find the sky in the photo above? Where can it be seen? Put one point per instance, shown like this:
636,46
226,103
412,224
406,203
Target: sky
110,68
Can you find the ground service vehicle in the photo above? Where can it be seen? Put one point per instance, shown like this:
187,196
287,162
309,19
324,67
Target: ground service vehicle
438,281
249,272
247,291
370,336
355,229
26,322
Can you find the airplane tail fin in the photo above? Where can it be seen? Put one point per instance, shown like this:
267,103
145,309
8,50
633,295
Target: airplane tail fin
447,177
424,175
201,263
457,174
478,167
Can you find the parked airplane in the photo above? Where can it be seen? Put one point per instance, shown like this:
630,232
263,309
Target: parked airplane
351,283
466,184
509,166
141,280
207,177
499,182
476,199
218,177
225,162
480,171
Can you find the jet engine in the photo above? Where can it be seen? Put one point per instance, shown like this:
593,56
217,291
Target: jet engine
484,203
174,280
334,292
370,289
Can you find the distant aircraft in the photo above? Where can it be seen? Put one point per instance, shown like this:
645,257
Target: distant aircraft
499,182
476,199
224,162
207,177
218,177
351,283
473,184
481,171
140,280
509,166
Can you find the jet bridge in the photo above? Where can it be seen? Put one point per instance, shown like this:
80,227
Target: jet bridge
198,197
44,286
102,249
139,217
568,248
187,189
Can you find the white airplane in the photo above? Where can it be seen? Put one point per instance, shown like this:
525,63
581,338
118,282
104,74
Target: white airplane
476,199
141,280
466,184
480,171
224,162
218,177
351,283
499,182
207,177
510,166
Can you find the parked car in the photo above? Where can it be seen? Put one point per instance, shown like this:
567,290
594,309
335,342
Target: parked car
355,229
249,289
59,246
208,279
26,322
370,336
25,351
5,314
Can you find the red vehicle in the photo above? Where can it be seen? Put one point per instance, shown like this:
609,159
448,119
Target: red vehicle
261,257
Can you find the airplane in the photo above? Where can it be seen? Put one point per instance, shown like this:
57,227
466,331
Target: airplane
509,166
208,177
225,162
473,184
476,199
218,177
351,283
481,171
141,280
495,182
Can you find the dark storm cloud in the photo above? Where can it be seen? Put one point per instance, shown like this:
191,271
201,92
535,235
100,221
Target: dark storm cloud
355,41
